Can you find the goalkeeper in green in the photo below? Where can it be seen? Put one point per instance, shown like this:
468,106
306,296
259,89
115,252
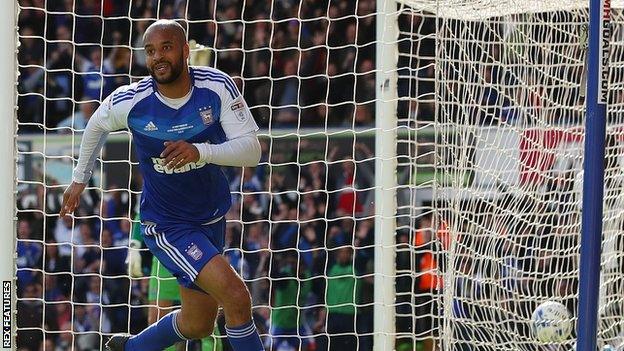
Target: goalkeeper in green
163,292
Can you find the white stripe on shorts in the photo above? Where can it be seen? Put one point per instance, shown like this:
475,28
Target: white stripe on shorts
179,254
150,229
183,264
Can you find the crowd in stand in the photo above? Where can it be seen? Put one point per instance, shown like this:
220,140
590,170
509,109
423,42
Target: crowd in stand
305,64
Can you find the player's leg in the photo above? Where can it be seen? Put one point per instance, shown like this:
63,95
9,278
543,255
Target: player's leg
197,316
192,254
164,296
194,320
159,309
166,248
221,281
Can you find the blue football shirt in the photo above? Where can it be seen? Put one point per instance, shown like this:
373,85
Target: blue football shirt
213,113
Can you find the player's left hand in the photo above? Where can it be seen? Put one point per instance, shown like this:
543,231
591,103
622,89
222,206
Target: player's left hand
179,153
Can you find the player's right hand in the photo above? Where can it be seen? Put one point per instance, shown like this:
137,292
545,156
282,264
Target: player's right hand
71,198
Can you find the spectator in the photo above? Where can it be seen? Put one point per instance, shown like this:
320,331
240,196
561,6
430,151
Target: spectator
54,263
96,84
87,253
254,241
290,292
66,234
63,313
48,344
138,54
114,256
232,250
287,95
98,297
60,83
284,234
52,292
122,237
30,318
31,48
363,116
66,338
77,121
308,247
116,206
86,326
114,284
28,256
86,236
342,295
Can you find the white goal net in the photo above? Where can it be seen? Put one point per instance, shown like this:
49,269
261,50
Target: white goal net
506,203
489,128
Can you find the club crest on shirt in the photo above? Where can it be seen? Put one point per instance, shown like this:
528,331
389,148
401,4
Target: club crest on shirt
206,115
194,252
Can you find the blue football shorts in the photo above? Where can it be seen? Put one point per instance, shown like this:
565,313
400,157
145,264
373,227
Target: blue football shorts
184,249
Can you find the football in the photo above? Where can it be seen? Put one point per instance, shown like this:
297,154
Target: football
551,322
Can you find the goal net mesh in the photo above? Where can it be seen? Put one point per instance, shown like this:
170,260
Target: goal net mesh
508,93
489,169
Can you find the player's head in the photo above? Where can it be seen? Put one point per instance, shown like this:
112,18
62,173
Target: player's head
166,50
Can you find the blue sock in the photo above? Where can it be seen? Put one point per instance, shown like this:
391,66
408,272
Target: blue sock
157,336
244,337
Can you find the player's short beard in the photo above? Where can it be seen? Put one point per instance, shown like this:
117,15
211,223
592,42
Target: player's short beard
176,70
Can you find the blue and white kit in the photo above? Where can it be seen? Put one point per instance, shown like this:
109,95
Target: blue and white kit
182,209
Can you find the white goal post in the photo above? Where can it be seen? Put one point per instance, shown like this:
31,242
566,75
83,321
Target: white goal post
385,174
8,70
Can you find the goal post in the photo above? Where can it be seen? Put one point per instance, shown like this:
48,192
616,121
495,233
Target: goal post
594,163
8,70
385,173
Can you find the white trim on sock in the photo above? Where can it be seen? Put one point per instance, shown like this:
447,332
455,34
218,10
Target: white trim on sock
241,333
175,325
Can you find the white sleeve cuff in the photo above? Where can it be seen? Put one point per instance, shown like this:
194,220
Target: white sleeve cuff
205,153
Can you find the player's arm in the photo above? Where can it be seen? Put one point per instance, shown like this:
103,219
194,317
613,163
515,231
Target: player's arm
242,149
103,121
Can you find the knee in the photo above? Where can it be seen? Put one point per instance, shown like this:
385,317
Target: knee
194,326
195,329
